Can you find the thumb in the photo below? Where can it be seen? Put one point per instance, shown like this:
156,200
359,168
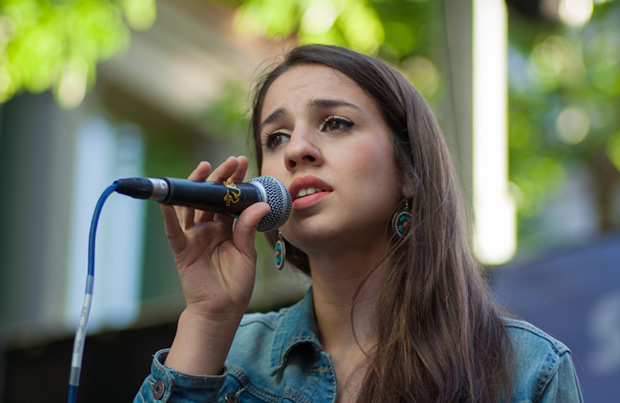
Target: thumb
245,227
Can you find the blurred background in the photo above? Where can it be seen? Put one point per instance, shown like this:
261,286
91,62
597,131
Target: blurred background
526,91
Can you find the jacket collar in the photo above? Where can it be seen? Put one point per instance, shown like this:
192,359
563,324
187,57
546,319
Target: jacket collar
296,327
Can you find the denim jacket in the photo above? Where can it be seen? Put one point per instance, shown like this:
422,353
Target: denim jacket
277,357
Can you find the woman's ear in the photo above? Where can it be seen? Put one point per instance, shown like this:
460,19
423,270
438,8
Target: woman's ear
407,189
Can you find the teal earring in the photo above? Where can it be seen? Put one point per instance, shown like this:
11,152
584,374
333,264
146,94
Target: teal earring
401,221
280,251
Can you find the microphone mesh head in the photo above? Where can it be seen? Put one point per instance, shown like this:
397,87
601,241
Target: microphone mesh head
278,199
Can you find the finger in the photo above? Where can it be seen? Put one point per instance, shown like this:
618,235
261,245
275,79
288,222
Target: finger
245,227
174,233
224,219
201,172
225,170
190,215
241,170
220,174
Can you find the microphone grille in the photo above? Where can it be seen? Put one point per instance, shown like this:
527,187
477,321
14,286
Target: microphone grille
278,199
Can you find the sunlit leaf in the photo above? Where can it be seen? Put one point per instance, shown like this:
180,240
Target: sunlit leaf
613,149
57,44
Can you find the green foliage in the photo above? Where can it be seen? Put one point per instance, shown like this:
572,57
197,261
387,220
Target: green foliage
354,23
228,116
564,102
393,29
57,44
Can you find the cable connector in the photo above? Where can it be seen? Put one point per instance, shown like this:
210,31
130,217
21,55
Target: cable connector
138,188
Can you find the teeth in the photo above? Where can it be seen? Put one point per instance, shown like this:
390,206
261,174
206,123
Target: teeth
307,191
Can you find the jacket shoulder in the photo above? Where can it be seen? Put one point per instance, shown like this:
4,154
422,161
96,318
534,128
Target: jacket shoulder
524,334
539,361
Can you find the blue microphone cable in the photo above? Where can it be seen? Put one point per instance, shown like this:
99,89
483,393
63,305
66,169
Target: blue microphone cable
80,335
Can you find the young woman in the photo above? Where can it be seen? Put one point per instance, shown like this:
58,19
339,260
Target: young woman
397,311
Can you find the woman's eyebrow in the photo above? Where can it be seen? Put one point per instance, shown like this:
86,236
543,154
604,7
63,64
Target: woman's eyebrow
314,104
330,103
273,116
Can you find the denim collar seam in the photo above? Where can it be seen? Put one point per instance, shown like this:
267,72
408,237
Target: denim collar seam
286,339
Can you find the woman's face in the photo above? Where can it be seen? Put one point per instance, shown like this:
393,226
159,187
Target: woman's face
326,140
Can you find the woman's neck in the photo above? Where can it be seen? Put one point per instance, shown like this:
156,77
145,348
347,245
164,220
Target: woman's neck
345,289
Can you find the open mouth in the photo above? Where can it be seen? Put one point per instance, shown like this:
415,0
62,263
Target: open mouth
307,192
307,186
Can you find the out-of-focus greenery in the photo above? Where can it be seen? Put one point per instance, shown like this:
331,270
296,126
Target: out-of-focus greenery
46,44
399,31
564,109
352,22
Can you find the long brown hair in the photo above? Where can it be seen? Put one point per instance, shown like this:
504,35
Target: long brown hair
440,336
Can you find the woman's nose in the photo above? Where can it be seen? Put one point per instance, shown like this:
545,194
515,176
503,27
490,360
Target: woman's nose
302,149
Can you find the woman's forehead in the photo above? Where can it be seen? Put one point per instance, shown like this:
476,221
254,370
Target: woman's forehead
310,82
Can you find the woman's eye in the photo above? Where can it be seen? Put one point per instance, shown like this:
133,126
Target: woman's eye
335,124
274,140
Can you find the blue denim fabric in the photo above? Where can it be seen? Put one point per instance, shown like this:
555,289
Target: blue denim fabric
543,367
277,357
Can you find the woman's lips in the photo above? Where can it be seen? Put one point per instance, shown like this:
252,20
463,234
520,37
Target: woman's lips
308,190
308,201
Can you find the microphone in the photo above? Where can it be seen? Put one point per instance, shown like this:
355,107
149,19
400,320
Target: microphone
227,198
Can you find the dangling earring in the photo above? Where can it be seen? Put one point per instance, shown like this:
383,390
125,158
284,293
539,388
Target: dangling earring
280,251
401,221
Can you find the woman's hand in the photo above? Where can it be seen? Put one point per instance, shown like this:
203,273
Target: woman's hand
216,266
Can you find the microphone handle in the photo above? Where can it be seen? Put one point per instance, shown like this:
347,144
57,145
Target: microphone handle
219,197
223,198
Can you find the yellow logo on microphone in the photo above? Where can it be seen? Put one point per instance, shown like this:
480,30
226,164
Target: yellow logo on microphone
232,193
